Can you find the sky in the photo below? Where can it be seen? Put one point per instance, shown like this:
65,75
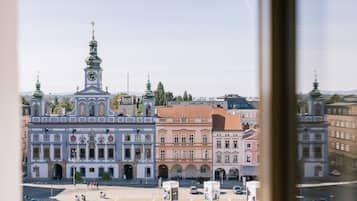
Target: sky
207,47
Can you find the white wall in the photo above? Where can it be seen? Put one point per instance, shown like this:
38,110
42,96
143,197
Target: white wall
43,170
10,169
141,168
309,169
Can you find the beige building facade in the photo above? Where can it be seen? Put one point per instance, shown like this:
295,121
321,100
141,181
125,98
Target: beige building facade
184,142
342,118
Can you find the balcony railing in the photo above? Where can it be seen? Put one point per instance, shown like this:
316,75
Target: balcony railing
70,119
311,119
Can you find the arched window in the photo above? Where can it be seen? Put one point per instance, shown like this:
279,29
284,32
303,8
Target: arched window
101,109
82,109
148,111
204,139
318,109
36,110
162,139
148,138
92,110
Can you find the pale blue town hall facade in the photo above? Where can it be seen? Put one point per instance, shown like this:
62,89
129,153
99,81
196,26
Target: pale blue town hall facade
91,139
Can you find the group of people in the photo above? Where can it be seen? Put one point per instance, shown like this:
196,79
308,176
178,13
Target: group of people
92,185
82,198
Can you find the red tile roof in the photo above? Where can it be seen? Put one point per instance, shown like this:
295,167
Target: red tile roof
222,120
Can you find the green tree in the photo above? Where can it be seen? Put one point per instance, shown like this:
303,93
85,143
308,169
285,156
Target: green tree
335,98
169,96
159,95
77,176
106,176
189,97
185,96
178,98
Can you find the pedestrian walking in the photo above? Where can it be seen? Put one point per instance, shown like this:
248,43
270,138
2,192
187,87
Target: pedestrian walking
97,184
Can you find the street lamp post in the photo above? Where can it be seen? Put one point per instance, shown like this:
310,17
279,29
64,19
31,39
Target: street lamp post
74,168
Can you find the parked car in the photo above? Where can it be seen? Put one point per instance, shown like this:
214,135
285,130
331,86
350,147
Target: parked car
335,173
193,190
238,189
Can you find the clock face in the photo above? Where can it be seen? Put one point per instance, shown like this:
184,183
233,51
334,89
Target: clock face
92,76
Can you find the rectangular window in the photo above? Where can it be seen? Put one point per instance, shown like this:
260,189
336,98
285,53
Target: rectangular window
101,153
73,153
235,159
249,146
148,172
82,153
204,139
46,137
91,170
235,144
176,139
127,138
36,138
83,172
205,154
91,153
36,153
137,154
226,159
57,153
248,158
127,154
162,155
147,154
162,140
318,152
183,139
100,172
184,155
176,154
46,153
219,159
111,171
191,139
227,144
110,153
318,137
191,155
218,144
306,152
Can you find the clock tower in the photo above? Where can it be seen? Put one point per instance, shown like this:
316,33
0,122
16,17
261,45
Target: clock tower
93,71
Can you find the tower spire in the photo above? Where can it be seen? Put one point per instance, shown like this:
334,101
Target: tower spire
93,61
316,83
148,92
38,92
93,23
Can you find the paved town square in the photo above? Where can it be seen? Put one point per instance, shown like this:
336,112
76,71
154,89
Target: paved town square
66,192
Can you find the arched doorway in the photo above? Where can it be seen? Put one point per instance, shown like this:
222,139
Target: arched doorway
176,171
128,171
205,171
233,174
163,171
219,174
57,171
191,172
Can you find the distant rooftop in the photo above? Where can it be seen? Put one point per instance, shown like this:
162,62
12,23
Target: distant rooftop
341,104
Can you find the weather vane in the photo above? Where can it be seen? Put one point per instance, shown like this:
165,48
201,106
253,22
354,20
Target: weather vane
38,75
93,29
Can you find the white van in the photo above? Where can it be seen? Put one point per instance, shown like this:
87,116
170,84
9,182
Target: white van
252,189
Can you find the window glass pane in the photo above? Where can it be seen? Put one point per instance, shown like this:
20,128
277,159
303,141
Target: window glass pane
326,45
